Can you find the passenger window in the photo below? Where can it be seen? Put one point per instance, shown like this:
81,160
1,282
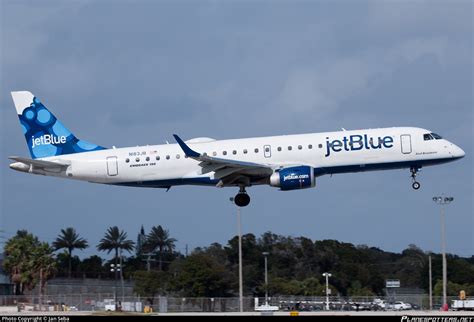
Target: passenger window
224,152
279,148
267,149
436,136
427,137
234,152
290,148
157,158
147,159
320,146
310,146
214,153
245,151
177,156
167,157
127,160
137,159
256,150
300,147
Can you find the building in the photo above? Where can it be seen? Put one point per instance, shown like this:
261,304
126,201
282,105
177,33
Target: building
141,240
6,286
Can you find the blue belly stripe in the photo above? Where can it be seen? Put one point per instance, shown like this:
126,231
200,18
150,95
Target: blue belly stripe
203,181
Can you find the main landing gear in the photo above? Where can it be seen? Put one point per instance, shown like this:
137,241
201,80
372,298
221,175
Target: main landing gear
415,185
242,199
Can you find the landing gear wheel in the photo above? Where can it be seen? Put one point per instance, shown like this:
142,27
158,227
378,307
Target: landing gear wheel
415,185
242,199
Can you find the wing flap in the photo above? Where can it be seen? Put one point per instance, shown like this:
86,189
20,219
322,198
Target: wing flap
222,173
207,167
226,170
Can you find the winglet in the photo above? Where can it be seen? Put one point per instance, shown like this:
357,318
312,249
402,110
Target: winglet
187,150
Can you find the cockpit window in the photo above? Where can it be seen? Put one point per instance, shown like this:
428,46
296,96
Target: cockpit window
427,137
436,136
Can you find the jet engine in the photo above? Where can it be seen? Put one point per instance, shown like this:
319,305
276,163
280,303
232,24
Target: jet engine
293,178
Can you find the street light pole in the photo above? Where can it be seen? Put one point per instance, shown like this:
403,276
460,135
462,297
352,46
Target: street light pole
241,292
115,268
327,275
266,278
442,201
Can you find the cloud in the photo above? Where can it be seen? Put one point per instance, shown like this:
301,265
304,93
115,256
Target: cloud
422,17
412,49
320,90
128,73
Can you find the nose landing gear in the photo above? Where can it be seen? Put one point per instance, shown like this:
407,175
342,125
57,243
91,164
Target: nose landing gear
242,199
414,171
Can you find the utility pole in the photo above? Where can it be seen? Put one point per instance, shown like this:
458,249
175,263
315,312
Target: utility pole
148,260
266,278
40,299
121,276
431,283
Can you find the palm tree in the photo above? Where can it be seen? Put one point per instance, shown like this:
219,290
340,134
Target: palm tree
44,263
18,251
159,240
70,240
115,239
28,261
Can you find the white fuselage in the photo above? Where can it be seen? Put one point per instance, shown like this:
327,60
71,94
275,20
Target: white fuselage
331,152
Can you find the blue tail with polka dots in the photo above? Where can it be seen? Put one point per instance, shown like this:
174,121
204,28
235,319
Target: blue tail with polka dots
45,135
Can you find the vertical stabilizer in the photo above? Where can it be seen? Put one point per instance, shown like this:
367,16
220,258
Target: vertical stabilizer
45,135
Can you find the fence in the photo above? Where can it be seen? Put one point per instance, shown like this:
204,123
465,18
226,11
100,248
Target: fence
99,302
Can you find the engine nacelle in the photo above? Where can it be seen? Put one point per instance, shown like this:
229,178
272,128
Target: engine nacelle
293,178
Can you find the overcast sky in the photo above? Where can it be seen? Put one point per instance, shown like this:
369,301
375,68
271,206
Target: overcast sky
129,73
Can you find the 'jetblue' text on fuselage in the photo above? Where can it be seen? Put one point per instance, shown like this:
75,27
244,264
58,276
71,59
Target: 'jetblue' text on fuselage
358,142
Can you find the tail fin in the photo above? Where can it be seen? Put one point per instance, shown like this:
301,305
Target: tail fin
45,135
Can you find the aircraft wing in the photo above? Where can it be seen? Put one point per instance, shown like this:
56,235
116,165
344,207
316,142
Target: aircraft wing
229,172
45,165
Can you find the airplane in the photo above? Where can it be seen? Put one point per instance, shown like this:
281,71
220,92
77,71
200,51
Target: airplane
288,162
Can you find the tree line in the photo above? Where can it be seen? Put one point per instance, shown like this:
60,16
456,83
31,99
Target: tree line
295,265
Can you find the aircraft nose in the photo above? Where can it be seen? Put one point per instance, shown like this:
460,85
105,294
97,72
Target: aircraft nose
457,152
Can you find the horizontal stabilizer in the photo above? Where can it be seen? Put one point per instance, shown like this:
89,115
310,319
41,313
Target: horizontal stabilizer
28,164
